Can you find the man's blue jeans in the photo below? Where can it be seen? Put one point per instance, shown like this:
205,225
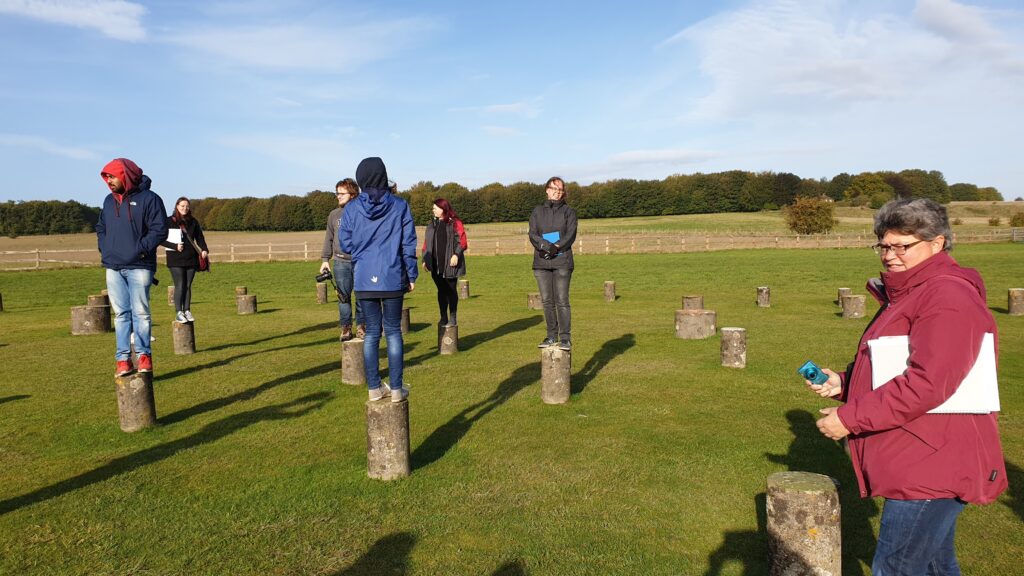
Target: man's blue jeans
383,313
916,537
128,291
343,280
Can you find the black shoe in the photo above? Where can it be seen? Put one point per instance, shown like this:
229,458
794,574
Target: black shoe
564,344
546,343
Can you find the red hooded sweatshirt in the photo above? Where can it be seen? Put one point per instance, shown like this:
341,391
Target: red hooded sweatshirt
898,450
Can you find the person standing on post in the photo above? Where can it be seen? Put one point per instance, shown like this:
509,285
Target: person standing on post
444,256
378,231
182,257
131,225
552,232
346,190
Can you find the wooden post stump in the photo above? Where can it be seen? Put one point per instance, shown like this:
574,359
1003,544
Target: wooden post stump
764,296
405,320
184,334
1014,301
804,536
693,302
247,304
463,289
555,372
87,320
104,292
387,439
533,301
695,324
136,408
170,295
321,293
609,291
241,290
843,292
352,364
98,300
447,339
1,302
853,306
734,347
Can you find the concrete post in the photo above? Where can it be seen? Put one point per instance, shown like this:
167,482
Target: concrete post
90,320
246,304
804,536
609,291
734,347
764,296
136,407
853,306
555,373
184,336
695,324
387,439
352,365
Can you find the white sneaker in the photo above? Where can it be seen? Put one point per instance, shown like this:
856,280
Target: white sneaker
378,394
180,317
399,394
188,316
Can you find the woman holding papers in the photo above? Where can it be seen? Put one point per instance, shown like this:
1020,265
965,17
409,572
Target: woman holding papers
552,232
185,244
926,462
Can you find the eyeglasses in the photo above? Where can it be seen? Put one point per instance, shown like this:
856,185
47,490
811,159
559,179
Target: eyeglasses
553,189
897,249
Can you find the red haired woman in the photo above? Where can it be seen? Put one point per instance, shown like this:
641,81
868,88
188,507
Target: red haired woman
444,255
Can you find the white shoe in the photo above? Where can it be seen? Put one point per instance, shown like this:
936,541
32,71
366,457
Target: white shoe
378,394
188,316
180,317
399,394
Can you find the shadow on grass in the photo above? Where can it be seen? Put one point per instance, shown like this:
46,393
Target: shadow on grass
812,452
609,350
517,325
999,310
748,547
417,326
209,433
389,555
1014,495
247,394
448,435
7,399
307,329
511,568
217,363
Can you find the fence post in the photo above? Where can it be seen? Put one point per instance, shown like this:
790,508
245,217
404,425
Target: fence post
497,247
305,251
607,250
38,262
581,245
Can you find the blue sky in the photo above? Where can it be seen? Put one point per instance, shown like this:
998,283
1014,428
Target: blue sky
265,97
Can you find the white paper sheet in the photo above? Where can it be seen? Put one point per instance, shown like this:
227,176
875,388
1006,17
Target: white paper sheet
978,393
174,236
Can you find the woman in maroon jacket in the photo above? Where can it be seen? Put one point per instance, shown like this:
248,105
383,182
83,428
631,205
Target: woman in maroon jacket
927,466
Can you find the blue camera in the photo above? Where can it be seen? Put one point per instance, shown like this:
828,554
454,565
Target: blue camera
811,372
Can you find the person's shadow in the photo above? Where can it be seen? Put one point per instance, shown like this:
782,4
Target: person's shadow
513,326
7,399
511,568
210,433
748,547
389,555
448,435
609,350
1014,495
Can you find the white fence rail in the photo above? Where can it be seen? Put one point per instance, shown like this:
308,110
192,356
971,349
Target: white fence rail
646,243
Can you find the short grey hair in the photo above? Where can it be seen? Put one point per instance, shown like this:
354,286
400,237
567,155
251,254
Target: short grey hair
921,217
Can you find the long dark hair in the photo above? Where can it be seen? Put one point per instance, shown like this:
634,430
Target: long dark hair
178,218
447,212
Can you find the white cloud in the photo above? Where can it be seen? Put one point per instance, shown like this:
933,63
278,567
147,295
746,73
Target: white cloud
114,18
41,144
665,156
302,151
524,109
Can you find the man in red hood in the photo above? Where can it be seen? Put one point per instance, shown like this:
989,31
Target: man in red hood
131,225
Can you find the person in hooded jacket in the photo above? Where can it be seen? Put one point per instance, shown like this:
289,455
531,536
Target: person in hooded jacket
377,230
444,256
552,233
131,225
182,258
927,466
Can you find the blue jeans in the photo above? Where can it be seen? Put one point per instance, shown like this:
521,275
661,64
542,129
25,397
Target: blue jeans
128,291
916,537
343,280
383,313
553,286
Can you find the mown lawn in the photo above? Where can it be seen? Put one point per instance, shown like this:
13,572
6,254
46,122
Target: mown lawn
657,465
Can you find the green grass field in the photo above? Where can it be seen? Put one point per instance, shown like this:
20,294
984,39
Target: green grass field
657,465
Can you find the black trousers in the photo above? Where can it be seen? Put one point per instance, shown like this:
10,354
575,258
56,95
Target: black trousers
447,295
182,287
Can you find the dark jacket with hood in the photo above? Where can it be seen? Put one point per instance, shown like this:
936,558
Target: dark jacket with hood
131,225
898,450
552,217
188,257
378,231
455,243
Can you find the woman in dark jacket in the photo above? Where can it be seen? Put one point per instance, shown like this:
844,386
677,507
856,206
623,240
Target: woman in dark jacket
182,257
444,255
552,233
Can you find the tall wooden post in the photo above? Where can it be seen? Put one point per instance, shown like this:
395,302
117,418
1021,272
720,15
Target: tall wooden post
853,306
90,320
246,304
447,339
843,292
387,439
136,407
764,296
693,302
463,289
184,336
734,347
405,321
533,301
321,293
804,534
609,291
555,373
170,295
1015,301
352,363
695,324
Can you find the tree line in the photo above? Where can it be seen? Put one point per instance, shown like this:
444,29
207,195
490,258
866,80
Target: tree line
731,191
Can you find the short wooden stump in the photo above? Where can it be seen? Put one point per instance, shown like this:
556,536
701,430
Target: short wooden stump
246,303
1,302
555,374
695,324
843,292
321,293
241,290
764,296
352,364
136,407
854,305
405,321
98,300
463,289
533,301
87,320
1015,301
447,339
734,347
184,336
693,302
387,439
804,536
609,291
170,295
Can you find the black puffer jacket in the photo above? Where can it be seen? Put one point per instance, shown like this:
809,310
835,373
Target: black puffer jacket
188,257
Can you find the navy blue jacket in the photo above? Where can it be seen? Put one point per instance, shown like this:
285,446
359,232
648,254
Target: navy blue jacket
129,232
378,231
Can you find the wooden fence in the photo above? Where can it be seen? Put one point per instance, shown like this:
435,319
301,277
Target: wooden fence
646,243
